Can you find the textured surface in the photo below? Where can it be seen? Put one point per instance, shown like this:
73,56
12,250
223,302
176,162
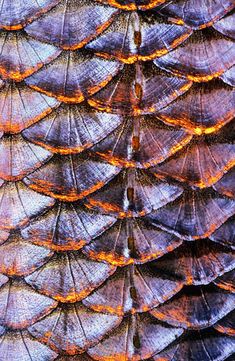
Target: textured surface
117,180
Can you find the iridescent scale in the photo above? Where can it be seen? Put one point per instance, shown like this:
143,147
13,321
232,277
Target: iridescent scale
117,180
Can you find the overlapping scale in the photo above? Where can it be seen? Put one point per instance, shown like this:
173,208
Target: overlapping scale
18,204
14,15
196,307
69,277
71,177
21,306
199,58
139,219
21,55
2,330
20,345
77,22
194,215
226,25
226,185
197,13
137,338
136,194
141,142
71,129
73,76
21,107
19,258
1,86
131,241
225,234
139,89
73,328
3,279
205,345
227,281
229,76
205,108
67,227
137,36
4,234
200,164
198,263
227,324
134,289
20,157
133,4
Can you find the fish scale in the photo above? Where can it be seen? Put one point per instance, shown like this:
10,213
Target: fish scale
117,200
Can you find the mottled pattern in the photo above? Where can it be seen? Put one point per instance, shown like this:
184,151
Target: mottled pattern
117,180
